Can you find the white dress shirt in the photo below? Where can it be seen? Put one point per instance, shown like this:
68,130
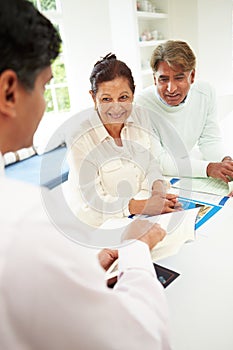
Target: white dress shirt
188,135
53,294
2,165
103,177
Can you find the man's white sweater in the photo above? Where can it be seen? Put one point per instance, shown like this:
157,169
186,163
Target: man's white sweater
188,136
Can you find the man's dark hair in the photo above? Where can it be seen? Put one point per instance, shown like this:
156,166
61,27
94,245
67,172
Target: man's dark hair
28,40
109,68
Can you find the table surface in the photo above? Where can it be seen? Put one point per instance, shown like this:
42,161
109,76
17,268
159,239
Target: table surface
201,298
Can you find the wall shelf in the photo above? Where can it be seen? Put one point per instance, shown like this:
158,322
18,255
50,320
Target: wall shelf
148,43
151,15
152,29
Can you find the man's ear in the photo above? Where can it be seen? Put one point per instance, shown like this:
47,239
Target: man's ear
8,88
93,97
192,76
154,77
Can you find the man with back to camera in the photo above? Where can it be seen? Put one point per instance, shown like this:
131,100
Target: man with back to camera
184,116
53,293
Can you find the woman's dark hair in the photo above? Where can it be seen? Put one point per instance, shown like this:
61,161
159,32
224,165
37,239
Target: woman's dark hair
28,40
109,68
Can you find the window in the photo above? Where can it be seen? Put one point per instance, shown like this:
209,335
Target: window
57,92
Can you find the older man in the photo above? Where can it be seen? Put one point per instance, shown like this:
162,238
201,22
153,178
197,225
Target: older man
183,116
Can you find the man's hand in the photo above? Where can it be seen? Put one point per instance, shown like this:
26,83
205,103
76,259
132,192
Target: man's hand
107,257
222,170
145,231
160,186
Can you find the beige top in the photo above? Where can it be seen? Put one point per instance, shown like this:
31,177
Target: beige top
103,177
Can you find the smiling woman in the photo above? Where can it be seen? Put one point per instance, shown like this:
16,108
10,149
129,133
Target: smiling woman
113,171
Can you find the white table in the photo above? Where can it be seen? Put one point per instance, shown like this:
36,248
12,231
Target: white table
201,298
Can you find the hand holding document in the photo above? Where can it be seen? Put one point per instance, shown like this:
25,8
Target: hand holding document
180,228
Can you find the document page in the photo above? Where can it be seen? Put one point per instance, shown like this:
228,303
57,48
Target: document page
180,228
205,185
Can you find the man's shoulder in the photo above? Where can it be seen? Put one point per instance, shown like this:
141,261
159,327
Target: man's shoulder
19,201
147,97
202,88
148,91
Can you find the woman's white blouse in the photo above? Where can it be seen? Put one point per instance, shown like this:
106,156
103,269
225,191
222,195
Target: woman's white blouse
103,177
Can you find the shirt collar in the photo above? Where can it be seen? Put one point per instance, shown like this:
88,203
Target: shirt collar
100,130
98,126
2,165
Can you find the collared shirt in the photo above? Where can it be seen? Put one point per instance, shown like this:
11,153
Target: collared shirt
53,291
1,165
103,177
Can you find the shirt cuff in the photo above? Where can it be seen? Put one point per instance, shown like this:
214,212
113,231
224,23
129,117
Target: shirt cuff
199,168
135,255
126,211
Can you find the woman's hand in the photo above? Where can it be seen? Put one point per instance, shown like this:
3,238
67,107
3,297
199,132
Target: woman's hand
160,204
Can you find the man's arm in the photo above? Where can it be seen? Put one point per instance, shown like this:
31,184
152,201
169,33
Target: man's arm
72,305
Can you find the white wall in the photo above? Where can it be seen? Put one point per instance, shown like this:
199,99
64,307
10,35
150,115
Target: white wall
215,41
90,25
184,21
124,35
207,26
87,37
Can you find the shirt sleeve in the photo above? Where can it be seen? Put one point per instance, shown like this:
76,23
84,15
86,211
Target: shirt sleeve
135,255
135,268
70,303
210,141
178,163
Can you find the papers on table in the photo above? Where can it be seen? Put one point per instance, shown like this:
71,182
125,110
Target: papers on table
201,199
210,194
180,228
204,185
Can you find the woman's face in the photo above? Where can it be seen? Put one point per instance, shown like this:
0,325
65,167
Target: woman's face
113,100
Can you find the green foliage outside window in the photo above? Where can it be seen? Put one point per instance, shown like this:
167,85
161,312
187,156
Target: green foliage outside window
63,99
49,100
59,73
34,2
56,93
47,5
